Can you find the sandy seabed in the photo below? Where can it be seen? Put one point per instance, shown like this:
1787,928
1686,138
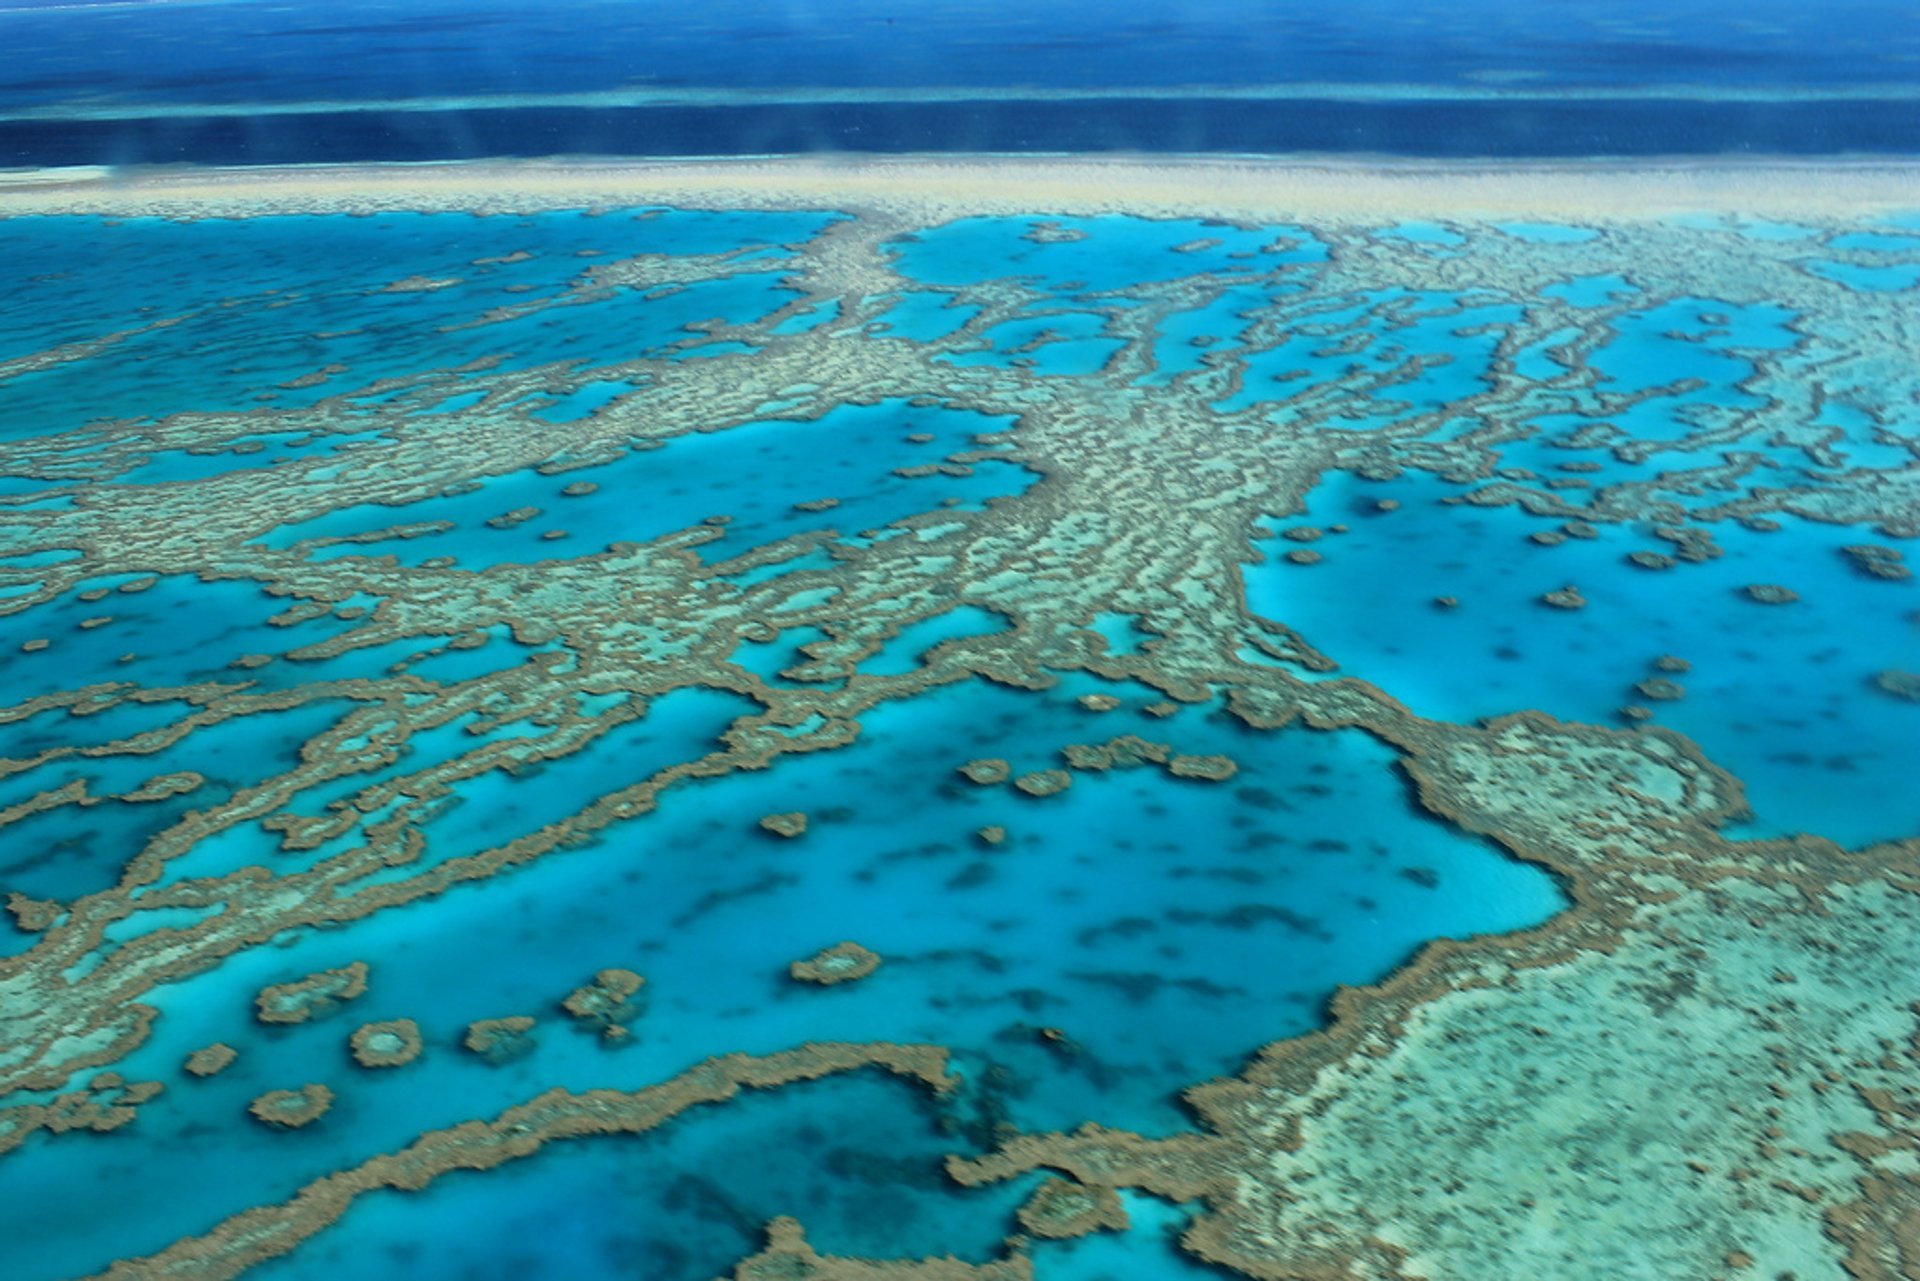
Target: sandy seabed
935,188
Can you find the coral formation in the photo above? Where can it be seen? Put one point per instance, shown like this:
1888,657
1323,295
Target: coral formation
1567,597
252,1237
291,1109
500,1040
1046,782
387,1044
315,996
842,963
1068,1208
211,1060
788,825
789,1257
988,771
1904,685
1661,689
608,1003
1214,769
1876,561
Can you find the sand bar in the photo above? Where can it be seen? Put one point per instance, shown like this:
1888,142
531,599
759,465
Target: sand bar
938,187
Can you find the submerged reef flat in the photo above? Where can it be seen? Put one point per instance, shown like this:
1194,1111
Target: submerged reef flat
1192,620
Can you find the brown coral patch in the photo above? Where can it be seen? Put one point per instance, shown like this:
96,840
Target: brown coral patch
500,1040
1212,769
33,914
107,1103
312,997
788,1257
988,770
518,516
1567,597
1045,782
291,1109
1087,756
211,1060
1771,593
1131,749
607,1002
387,1044
789,825
160,787
1061,1208
1876,561
842,963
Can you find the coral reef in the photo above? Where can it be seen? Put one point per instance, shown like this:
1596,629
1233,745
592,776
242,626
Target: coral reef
1661,689
789,1257
500,1040
988,771
1904,685
389,1043
1876,561
1046,782
268,1232
608,1003
1567,597
1068,1208
211,1060
291,1109
842,963
1213,769
788,825
1704,1064
315,996
1383,1146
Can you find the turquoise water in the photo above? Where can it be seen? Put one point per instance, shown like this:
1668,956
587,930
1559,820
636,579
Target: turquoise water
327,281
1777,694
752,474
1150,918
545,537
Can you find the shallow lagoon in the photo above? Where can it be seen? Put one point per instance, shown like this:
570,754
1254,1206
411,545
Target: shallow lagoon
1776,694
1150,918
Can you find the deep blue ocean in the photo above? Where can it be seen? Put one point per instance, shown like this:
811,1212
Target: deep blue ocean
167,81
